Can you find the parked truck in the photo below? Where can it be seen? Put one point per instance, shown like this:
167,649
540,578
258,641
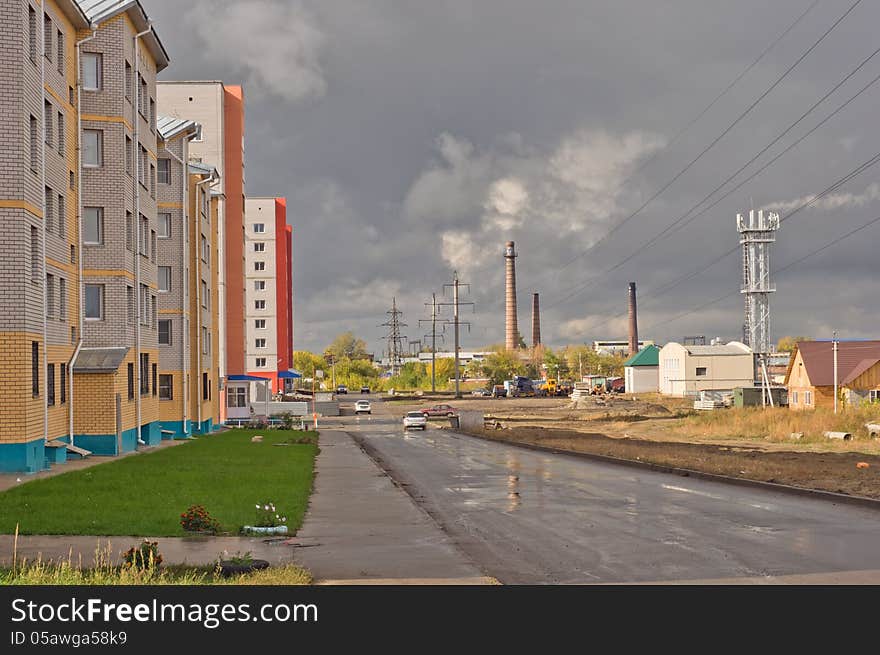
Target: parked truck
519,386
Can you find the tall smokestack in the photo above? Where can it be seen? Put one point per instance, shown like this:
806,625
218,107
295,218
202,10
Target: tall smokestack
511,336
633,321
536,321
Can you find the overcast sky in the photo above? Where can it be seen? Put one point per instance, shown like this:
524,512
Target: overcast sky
415,138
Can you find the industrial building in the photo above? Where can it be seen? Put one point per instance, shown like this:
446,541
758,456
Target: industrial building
687,370
618,347
642,371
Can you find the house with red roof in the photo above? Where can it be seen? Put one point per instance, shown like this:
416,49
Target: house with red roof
810,376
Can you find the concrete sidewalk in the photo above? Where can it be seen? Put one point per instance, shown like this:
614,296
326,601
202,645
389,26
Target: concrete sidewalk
362,529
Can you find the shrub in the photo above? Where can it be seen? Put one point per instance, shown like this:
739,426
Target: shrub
143,557
267,516
197,519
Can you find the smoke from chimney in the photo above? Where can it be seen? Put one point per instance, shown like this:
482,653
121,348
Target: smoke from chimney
511,336
536,321
633,321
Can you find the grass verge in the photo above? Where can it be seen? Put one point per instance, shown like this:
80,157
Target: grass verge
145,494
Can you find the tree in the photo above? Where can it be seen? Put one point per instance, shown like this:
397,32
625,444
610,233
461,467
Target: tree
306,363
502,365
787,344
347,345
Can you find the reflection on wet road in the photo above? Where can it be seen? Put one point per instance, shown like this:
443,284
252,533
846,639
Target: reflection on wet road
531,517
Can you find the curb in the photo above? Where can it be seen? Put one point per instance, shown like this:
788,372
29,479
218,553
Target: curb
861,501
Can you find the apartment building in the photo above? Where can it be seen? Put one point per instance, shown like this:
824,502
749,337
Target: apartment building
188,275
39,299
78,286
219,109
268,289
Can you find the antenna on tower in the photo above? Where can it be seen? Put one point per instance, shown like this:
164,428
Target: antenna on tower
758,231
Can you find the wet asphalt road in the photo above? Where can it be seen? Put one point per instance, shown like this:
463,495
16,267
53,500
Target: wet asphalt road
528,517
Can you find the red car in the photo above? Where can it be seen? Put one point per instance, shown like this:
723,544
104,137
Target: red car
439,410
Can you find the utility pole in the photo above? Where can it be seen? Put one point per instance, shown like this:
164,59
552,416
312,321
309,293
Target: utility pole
433,321
395,339
834,348
456,303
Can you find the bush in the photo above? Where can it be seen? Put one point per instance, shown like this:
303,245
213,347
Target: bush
143,557
268,517
198,519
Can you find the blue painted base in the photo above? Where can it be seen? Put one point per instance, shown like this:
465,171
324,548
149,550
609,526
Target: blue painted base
23,457
56,455
206,427
97,444
151,433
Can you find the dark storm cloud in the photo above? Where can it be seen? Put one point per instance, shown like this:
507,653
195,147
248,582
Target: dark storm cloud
414,138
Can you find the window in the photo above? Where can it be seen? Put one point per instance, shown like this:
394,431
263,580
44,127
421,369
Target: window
260,343
260,304
48,212
94,302
259,228
260,324
164,225
145,374
206,387
72,181
63,383
50,295
164,171
93,225
155,379
259,246
72,254
141,94
152,115
129,231
153,247
128,71
130,381
142,166
145,304
36,258
259,285
236,396
60,133
206,341
35,369
48,29
93,148
808,397
32,33
50,384
701,370
259,266
128,155
62,298
35,150
48,116
204,294
206,250
166,387
874,395
155,314
145,236
794,397
261,362
61,52
165,278
92,64
129,297
165,332
152,181
62,218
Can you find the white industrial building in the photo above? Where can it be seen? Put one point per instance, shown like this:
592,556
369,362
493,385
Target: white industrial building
688,370
641,372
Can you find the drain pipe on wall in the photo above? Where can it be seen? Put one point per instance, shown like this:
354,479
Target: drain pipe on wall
135,110
210,180
184,285
79,226
45,218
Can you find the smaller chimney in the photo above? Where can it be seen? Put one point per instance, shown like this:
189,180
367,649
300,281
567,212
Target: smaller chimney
536,321
633,321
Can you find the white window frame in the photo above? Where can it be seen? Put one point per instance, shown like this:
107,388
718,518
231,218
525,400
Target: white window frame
170,331
260,343
100,288
259,228
159,272
257,324
259,267
165,222
100,225
258,307
260,362
97,58
99,149
259,285
259,246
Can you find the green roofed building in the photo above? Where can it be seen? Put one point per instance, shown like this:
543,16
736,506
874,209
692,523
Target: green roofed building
642,371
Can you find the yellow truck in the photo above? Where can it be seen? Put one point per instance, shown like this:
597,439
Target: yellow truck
549,387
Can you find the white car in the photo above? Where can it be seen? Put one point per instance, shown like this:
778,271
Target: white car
415,420
363,407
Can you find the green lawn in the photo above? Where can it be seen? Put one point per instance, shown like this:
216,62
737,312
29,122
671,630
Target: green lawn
144,495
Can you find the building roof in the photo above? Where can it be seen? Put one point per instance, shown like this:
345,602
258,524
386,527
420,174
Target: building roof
732,348
97,11
99,360
853,359
648,356
170,127
203,169
74,12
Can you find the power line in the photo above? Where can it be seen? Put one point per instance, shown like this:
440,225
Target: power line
395,339
726,131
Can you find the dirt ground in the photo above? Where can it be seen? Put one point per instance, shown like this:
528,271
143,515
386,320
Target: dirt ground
661,432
